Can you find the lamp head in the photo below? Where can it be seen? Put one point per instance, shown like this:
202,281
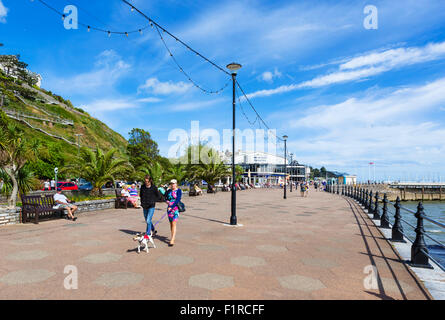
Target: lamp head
285,138
234,67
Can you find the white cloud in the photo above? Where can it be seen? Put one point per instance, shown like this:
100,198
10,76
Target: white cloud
108,69
365,66
189,106
153,85
391,127
268,76
149,100
109,105
3,12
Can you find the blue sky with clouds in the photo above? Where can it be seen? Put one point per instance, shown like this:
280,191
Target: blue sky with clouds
344,95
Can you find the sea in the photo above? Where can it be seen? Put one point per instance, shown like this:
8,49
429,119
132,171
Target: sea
434,210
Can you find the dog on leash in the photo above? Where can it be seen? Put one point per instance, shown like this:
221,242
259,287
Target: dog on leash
143,239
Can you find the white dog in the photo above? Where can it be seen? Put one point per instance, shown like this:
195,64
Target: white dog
143,239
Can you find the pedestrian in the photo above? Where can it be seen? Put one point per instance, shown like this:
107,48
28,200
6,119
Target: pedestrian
149,195
53,184
302,189
306,189
173,196
46,185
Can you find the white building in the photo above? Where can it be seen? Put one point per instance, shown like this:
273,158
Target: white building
261,167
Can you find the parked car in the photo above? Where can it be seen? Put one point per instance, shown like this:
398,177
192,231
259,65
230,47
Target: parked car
66,186
86,186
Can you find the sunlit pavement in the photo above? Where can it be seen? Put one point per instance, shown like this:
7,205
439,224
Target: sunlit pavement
319,247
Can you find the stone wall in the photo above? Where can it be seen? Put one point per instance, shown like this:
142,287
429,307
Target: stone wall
13,216
9,216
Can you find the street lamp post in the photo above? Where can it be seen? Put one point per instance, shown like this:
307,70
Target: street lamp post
285,166
233,67
290,178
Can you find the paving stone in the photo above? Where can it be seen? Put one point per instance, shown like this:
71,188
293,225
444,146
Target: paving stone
175,260
26,276
246,261
302,283
211,281
259,231
271,248
27,241
28,255
391,285
119,279
88,243
102,257
317,262
212,247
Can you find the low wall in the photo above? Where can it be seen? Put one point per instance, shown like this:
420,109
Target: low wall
13,216
9,216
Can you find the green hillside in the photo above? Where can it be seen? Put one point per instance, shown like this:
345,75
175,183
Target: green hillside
52,120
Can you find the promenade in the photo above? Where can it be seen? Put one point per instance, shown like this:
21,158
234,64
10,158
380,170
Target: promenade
300,248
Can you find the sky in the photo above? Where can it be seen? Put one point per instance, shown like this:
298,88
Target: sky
345,95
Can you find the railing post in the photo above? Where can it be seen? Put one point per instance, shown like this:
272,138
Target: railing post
342,190
361,196
397,228
384,220
365,204
376,207
370,202
419,252
338,189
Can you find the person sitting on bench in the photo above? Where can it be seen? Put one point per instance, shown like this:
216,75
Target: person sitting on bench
63,202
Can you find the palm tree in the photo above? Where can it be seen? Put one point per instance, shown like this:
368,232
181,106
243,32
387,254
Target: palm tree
155,171
97,167
15,151
178,172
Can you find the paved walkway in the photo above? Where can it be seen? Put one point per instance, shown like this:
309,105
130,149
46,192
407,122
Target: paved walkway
300,248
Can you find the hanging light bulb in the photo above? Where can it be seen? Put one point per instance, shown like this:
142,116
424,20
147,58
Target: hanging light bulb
140,31
109,34
89,28
63,17
132,9
126,33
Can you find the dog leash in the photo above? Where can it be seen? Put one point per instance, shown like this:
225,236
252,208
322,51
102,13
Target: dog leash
160,219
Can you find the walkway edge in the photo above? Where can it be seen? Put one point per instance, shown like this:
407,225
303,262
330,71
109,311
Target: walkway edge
432,279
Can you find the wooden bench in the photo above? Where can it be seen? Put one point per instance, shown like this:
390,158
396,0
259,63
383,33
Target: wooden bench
121,201
34,208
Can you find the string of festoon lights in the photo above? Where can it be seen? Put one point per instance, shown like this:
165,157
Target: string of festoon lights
154,25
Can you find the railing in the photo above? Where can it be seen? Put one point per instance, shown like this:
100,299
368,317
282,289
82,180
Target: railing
371,202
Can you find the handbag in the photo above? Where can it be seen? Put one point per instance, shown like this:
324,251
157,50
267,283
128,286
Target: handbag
181,206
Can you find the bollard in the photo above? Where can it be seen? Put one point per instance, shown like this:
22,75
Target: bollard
370,202
338,189
419,252
384,220
342,190
397,228
361,196
366,199
376,207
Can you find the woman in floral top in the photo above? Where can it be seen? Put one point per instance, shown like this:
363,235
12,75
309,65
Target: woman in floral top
173,196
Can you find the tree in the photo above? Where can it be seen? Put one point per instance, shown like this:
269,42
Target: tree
26,181
141,149
97,167
15,152
177,171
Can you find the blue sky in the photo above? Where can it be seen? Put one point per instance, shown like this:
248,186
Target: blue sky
344,95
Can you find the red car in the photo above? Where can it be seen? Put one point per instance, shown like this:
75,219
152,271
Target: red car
67,186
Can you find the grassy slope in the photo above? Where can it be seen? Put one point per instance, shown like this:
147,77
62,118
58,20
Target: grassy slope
95,133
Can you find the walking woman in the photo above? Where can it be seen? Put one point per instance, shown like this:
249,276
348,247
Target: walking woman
173,196
149,195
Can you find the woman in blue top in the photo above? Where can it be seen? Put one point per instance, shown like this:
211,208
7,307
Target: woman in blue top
173,196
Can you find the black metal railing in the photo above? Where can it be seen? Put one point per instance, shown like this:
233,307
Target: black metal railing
370,201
